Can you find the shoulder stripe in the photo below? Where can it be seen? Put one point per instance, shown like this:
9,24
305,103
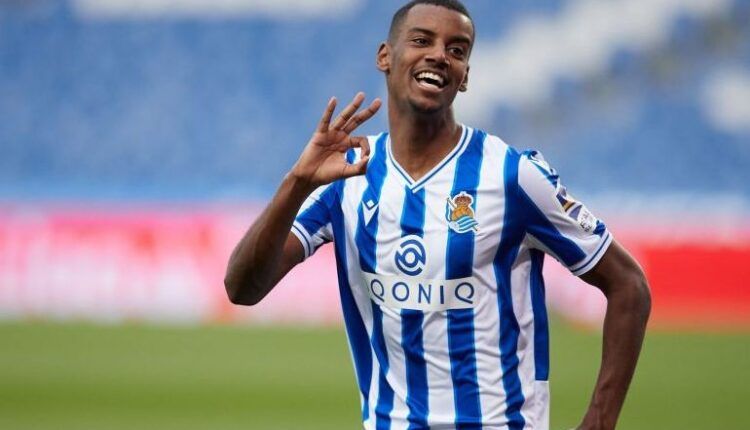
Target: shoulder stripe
459,264
541,324
412,343
365,239
510,240
353,322
317,214
367,228
543,230
384,404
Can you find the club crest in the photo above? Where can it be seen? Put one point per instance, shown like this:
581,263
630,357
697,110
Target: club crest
459,213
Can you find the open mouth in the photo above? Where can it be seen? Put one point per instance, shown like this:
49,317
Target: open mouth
430,80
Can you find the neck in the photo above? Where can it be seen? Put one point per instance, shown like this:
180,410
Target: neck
420,140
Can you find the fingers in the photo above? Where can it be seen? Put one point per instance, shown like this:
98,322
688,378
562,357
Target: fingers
325,120
356,169
360,167
349,119
362,116
358,142
363,143
348,111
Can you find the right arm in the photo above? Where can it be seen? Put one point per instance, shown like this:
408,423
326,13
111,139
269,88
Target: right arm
268,250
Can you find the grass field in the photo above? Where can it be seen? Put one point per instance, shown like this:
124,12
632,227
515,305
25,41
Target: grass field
139,377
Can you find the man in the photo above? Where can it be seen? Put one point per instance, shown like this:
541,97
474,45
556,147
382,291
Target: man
439,232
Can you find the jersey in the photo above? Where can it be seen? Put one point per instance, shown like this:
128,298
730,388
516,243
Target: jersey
441,281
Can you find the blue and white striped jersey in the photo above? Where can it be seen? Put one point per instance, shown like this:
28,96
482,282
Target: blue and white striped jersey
441,281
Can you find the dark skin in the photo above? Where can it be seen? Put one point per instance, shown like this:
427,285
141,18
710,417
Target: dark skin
624,284
268,250
423,130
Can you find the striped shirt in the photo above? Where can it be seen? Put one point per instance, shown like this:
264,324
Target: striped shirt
441,281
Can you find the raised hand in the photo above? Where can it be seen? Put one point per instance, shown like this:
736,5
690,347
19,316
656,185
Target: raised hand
323,159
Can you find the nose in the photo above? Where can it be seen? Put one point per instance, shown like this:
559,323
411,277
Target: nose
438,56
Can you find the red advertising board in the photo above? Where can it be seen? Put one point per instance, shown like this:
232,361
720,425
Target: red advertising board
116,263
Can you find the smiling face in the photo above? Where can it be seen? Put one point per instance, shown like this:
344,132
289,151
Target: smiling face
426,62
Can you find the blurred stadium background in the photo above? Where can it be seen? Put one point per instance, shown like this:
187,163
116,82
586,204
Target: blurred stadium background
139,138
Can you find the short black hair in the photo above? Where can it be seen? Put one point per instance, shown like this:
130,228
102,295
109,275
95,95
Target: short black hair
400,15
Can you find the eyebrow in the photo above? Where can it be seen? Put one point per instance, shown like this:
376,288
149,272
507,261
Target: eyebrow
460,39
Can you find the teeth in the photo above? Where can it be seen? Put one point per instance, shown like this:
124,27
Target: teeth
432,76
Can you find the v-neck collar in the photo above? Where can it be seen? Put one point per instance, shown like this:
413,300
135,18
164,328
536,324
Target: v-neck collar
415,186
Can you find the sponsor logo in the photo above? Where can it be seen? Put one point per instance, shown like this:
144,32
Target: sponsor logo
411,255
459,213
368,210
421,294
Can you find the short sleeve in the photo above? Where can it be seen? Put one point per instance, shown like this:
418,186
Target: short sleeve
555,221
312,226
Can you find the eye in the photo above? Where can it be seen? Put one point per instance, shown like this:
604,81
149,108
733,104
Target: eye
457,52
421,41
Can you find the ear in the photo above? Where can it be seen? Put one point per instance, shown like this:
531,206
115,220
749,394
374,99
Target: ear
465,84
383,58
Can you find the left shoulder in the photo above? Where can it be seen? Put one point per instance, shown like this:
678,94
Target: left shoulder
494,150
495,145
490,142
533,162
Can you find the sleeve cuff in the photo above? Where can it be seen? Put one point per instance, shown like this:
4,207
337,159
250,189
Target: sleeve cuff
589,262
304,238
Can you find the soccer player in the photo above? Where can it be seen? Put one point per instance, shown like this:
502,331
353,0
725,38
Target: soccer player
439,233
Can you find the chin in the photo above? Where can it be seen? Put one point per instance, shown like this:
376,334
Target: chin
426,107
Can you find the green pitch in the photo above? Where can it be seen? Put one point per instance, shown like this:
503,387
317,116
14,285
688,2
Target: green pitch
137,377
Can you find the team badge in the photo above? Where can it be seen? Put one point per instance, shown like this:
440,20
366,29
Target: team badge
459,213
